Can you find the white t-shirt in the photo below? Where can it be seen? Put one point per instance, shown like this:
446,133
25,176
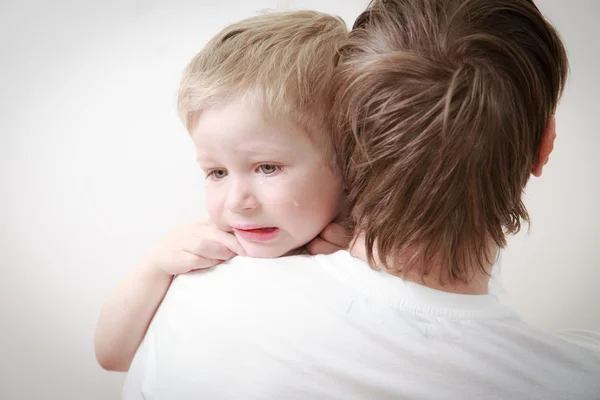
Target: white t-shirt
329,327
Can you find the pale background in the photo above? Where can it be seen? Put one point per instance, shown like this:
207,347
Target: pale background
95,166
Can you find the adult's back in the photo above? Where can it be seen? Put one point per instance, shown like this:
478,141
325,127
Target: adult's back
330,327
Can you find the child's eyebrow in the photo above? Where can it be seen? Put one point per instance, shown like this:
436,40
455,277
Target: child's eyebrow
251,149
204,158
259,148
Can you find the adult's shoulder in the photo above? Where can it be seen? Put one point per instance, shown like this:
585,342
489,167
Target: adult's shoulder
256,281
588,340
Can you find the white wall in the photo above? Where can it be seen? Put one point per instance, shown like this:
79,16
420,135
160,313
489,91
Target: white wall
95,166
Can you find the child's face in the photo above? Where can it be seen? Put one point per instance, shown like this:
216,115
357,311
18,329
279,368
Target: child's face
265,181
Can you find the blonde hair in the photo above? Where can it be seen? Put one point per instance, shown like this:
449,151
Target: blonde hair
282,62
441,108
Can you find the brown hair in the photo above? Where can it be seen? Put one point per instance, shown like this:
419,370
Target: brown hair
440,109
282,62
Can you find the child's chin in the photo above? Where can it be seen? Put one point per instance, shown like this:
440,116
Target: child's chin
264,251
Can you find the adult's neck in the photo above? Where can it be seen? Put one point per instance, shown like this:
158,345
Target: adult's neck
476,285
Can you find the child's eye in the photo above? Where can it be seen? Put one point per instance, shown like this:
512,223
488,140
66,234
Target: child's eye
217,174
268,169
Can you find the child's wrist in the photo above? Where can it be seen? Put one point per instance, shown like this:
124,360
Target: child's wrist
151,268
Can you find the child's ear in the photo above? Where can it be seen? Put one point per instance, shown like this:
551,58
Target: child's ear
546,147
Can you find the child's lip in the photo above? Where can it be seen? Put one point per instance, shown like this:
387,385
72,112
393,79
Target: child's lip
263,234
250,227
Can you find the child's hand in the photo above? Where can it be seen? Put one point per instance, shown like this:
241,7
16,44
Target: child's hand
333,238
195,246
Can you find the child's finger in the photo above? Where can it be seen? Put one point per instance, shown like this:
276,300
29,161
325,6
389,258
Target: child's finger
208,248
199,262
337,235
320,246
230,241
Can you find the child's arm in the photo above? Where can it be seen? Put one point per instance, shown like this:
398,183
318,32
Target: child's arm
126,314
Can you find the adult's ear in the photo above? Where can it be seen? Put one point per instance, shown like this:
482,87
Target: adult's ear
546,147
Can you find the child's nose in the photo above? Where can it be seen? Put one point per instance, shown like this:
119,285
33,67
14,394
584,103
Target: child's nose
240,198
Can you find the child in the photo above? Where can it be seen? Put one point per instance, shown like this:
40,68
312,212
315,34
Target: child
255,102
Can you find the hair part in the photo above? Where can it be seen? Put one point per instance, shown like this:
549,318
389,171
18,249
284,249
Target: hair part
282,63
440,109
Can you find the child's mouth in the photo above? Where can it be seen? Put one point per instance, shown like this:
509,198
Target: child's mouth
257,234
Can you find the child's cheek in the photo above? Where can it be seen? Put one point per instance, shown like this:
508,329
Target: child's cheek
214,205
278,192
